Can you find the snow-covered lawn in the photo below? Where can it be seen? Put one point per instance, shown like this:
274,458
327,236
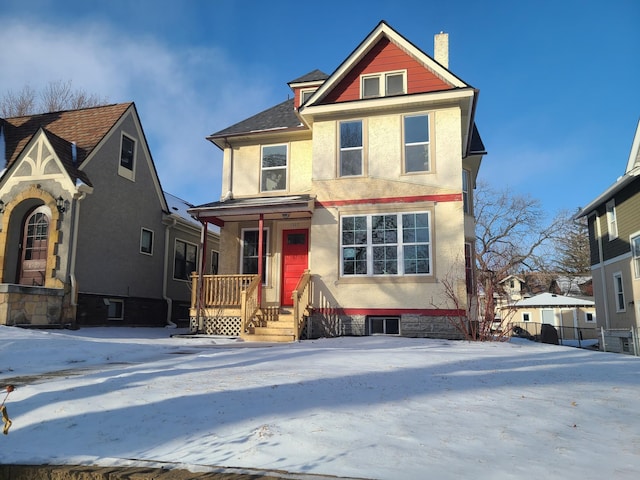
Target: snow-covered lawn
372,407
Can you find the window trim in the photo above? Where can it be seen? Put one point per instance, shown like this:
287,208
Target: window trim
108,302
620,300
175,244
428,143
384,318
399,244
265,253
612,220
123,171
593,317
285,167
466,197
382,83
635,254
215,254
351,149
144,230
306,91
526,319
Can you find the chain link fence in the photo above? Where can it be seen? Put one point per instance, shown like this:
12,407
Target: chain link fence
581,337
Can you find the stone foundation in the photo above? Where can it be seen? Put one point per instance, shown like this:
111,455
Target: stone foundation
31,306
415,326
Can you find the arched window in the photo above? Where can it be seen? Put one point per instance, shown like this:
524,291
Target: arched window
35,242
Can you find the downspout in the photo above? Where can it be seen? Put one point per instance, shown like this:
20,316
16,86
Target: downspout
73,251
169,300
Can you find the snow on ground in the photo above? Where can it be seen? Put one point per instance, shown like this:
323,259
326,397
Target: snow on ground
372,407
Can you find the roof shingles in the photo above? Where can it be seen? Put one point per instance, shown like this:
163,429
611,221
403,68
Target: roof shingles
86,127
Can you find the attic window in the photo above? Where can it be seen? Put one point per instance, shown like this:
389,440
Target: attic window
126,153
306,95
383,84
126,167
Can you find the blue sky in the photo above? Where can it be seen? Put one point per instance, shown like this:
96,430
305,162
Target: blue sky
559,80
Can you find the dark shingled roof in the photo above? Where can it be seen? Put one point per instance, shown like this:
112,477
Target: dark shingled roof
313,76
281,116
86,127
477,146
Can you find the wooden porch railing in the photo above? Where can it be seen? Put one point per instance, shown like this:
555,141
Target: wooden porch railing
249,303
220,290
301,301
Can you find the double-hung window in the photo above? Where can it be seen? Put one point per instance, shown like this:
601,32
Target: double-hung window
386,244
351,148
382,84
466,179
618,288
184,260
416,143
146,241
612,221
274,168
250,252
635,253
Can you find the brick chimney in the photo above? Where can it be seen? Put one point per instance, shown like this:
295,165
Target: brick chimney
441,49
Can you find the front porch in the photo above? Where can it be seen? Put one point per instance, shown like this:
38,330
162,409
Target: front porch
230,305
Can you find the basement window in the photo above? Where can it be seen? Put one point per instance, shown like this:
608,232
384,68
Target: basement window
115,309
384,325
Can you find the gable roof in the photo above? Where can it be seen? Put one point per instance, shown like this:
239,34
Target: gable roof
553,300
380,32
634,155
631,174
85,127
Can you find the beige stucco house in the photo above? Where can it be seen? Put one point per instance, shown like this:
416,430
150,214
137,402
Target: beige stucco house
347,209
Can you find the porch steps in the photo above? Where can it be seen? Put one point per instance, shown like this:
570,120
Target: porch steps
278,331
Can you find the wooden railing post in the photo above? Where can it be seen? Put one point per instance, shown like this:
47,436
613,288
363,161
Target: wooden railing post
301,292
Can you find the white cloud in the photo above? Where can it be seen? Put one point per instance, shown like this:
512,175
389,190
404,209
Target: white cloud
182,95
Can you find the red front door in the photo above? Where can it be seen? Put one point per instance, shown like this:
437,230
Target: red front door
295,253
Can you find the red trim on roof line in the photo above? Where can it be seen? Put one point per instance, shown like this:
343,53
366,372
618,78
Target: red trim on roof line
450,197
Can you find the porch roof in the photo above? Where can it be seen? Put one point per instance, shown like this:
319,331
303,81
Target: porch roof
242,209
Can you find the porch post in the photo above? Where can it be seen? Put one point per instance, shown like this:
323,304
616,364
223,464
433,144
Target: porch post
260,257
203,243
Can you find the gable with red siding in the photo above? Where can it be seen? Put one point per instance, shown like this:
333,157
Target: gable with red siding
386,56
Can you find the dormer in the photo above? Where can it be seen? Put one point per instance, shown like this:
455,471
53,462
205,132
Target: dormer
305,86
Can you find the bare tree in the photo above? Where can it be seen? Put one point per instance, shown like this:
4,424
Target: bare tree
54,97
18,104
510,235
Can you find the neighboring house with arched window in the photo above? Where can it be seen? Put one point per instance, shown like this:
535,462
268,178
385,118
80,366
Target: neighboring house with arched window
88,237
